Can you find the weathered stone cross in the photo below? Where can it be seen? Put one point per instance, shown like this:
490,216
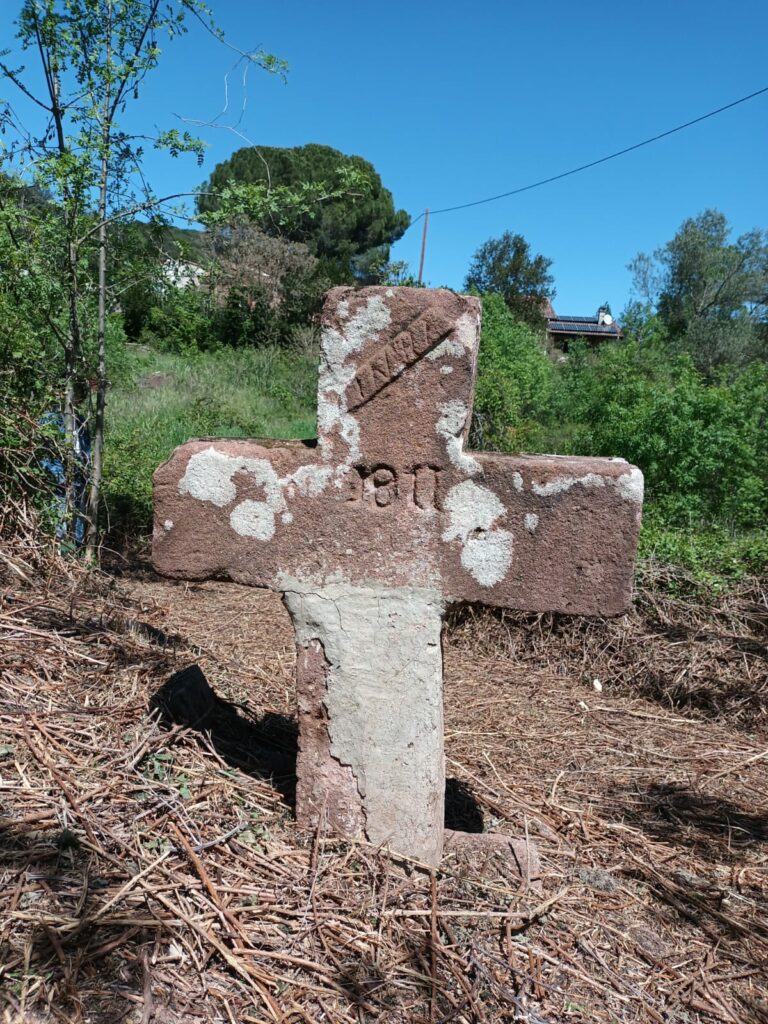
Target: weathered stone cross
370,532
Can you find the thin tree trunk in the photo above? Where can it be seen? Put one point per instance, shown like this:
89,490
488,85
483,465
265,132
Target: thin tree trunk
73,346
97,439
72,351
72,356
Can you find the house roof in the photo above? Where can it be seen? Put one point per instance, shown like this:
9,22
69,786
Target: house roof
582,324
576,319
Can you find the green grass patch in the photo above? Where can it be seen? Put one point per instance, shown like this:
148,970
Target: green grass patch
161,400
707,559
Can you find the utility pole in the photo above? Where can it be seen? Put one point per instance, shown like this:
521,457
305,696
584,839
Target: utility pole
423,246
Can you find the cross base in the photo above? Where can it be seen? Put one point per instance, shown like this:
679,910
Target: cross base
369,680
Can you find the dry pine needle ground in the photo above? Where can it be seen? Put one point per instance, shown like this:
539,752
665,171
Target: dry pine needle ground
156,874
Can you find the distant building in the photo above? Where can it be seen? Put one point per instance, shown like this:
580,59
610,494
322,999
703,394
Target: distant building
563,330
181,273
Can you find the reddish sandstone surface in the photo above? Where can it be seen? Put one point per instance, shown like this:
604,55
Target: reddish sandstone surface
370,532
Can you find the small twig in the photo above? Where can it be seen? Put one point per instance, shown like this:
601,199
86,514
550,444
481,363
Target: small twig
434,942
149,1007
221,839
502,915
734,768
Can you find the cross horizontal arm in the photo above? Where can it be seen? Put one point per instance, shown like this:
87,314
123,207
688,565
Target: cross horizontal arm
567,533
529,532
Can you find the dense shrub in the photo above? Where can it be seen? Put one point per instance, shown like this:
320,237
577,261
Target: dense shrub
702,447
197,320
701,442
514,382
180,321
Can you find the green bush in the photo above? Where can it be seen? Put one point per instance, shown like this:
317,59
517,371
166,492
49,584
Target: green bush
702,447
191,320
248,318
180,321
701,442
514,382
714,557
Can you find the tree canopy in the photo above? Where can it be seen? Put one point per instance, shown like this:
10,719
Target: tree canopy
335,230
505,266
709,292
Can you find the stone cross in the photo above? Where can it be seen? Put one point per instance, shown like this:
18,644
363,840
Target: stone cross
373,529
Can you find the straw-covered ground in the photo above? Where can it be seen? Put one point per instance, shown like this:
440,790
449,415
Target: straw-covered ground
155,873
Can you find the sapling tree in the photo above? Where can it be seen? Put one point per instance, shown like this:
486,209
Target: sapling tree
89,60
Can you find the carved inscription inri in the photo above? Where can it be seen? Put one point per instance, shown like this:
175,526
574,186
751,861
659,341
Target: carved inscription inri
406,348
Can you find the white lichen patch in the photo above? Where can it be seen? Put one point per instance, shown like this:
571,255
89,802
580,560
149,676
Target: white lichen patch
210,474
332,415
450,426
531,522
468,330
470,507
168,525
369,320
208,477
336,374
631,485
309,481
517,481
448,347
473,512
560,484
253,519
445,370
488,558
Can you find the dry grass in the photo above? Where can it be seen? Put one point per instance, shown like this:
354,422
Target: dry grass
157,875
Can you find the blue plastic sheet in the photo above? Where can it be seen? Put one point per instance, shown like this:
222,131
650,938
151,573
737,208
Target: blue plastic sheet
54,465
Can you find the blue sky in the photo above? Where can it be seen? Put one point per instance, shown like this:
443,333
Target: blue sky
454,102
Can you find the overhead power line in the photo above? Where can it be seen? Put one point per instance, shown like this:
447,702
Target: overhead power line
594,163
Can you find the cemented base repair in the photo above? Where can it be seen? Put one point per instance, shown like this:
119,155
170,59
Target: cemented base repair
383,719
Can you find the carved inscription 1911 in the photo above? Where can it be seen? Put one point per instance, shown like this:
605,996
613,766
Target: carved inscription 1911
385,485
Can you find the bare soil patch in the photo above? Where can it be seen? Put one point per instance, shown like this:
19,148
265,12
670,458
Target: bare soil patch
157,381
149,874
